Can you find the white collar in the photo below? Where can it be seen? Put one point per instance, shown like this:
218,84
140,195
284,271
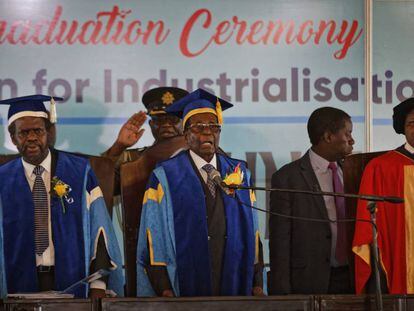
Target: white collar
200,162
317,162
409,148
47,164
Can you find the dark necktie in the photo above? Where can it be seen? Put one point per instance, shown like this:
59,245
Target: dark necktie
41,211
341,239
210,183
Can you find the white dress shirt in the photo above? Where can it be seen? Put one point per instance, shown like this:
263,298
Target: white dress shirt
324,176
200,162
48,257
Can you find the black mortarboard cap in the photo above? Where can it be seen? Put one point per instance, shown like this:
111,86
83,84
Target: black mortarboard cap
30,106
400,113
199,101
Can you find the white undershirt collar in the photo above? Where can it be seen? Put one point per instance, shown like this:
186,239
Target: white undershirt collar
409,148
200,162
46,163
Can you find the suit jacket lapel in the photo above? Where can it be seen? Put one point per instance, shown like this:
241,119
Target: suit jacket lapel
313,184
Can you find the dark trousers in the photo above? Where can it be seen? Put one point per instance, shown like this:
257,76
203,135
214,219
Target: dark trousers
340,281
46,279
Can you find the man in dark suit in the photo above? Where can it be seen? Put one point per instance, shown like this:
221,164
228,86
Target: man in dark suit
310,257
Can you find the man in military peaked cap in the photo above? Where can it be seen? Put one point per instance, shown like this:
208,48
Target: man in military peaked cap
163,125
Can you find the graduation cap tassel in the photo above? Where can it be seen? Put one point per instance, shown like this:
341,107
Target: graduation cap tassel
53,114
219,112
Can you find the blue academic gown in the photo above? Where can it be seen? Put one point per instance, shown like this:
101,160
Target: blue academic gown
173,231
75,232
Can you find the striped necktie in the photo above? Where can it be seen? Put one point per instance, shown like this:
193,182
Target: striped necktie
210,183
41,212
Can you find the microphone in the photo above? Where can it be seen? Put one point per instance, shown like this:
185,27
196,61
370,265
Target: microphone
88,279
215,176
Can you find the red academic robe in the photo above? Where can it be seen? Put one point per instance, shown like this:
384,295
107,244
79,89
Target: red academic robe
391,174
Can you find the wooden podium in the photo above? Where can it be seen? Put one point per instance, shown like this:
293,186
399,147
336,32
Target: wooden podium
236,303
270,303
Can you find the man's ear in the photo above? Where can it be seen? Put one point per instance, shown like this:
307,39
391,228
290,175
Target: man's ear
13,138
185,133
51,135
327,137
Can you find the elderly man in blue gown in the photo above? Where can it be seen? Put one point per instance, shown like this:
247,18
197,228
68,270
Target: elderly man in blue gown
54,227
194,239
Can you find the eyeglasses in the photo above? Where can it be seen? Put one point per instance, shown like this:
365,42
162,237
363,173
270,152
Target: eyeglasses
23,134
201,127
161,119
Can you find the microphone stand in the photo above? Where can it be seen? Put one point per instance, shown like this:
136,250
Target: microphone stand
366,197
372,201
372,207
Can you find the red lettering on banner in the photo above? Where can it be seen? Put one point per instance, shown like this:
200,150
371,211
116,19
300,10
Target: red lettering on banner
161,34
36,39
69,38
94,28
280,28
242,25
221,35
290,36
105,39
188,27
347,39
302,37
130,31
255,29
108,27
200,32
52,25
264,32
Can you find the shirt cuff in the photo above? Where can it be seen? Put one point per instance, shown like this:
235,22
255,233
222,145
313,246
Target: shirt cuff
98,284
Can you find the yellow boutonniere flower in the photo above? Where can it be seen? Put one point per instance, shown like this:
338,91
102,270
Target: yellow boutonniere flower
61,191
235,178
